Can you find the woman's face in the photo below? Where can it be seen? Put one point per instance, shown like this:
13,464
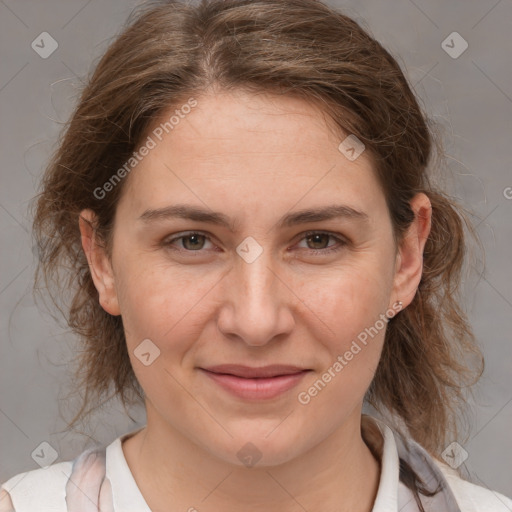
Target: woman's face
292,263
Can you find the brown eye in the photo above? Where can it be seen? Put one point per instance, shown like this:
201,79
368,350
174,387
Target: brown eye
193,242
318,242
189,242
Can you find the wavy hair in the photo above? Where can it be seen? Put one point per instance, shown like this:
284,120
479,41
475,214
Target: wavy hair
169,51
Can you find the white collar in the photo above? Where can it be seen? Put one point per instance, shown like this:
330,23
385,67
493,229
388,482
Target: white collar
394,449
392,495
387,493
126,495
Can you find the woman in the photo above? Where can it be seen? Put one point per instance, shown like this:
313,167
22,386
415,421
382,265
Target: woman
256,251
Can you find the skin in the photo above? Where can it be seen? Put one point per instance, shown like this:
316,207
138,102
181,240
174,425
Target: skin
254,158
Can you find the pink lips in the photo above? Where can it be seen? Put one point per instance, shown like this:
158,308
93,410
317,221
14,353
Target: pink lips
251,383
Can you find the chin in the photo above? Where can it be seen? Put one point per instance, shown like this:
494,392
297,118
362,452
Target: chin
259,447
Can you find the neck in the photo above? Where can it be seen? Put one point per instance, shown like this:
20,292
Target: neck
339,474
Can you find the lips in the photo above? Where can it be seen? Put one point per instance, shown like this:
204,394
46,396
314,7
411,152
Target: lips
255,383
249,372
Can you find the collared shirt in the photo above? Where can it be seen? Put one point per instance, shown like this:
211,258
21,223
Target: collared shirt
101,478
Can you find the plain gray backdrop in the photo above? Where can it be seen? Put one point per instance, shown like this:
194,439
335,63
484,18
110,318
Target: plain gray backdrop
468,95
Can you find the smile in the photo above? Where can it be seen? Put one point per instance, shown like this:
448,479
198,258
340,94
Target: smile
262,383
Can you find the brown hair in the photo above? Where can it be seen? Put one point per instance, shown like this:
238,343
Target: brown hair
171,51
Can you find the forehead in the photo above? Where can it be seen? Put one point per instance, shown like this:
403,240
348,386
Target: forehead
241,149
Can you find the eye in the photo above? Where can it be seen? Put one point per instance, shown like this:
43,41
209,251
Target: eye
319,239
190,242
195,241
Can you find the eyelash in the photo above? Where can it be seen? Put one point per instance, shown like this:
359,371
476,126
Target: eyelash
341,243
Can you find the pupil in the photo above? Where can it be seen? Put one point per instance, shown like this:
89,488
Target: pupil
316,237
193,245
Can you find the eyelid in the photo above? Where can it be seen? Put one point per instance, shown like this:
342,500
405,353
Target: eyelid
341,241
168,241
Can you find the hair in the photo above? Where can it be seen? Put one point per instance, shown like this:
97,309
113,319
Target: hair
169,51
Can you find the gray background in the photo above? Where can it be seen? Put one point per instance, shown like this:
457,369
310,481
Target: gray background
469,97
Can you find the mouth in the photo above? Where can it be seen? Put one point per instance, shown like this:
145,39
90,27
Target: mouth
250,383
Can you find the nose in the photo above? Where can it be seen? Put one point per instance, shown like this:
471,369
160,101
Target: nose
257,305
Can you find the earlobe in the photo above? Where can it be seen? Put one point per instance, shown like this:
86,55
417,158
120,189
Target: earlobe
99,263
409,268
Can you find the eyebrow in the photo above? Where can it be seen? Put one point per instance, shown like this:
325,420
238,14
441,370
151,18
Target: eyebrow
290,219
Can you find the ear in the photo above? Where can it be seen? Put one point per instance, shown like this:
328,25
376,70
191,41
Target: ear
409,262
99,263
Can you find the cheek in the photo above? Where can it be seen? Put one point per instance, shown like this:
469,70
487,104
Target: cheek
349,299
348,364
160,302
351,304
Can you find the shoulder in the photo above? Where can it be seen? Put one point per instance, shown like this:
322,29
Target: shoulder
57,487
38,489
5,502
472,497
459,494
